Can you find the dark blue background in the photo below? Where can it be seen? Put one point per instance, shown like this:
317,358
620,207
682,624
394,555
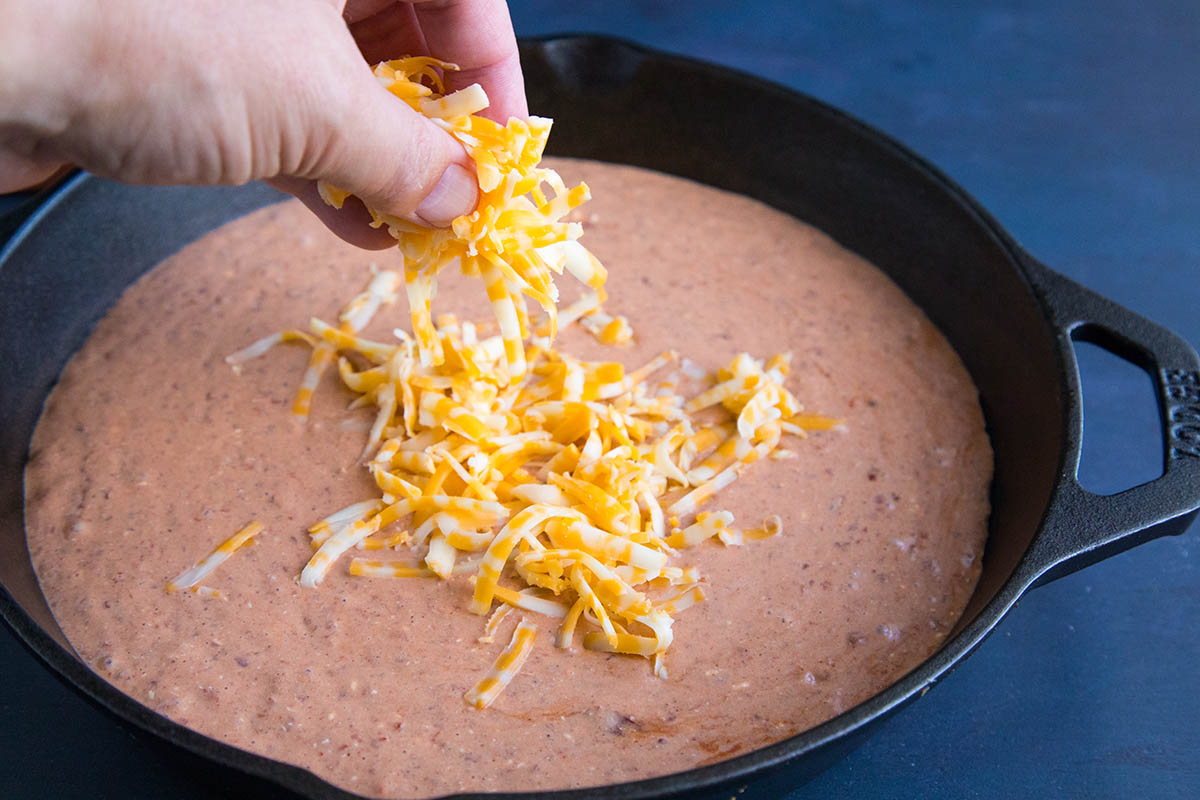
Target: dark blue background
1078,125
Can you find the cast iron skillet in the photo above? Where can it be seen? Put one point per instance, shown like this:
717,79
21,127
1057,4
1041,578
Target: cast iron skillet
1010,319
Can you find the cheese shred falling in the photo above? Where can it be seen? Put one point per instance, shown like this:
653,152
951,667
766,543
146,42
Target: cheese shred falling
557,486
517,238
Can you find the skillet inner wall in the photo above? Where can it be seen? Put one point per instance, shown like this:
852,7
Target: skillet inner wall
613,102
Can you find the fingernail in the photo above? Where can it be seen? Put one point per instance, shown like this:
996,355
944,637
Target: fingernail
455,194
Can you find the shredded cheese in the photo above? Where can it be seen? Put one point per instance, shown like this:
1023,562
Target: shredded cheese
561,479
516,240
190,578
507,665
529,467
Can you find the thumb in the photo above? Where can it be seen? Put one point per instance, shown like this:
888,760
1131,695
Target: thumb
396,160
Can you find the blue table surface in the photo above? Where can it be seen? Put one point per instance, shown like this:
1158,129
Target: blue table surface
1077,124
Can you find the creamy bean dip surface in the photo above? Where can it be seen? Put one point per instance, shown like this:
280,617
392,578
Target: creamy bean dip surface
151,450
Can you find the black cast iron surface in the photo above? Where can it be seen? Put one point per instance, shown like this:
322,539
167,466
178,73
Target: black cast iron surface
1165,765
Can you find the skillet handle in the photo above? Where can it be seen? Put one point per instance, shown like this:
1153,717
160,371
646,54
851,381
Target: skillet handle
1081,527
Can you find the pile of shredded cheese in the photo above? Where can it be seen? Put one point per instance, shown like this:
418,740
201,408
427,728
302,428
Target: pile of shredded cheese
557,486
559,494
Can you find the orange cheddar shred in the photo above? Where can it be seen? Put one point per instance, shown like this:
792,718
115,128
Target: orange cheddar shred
190,578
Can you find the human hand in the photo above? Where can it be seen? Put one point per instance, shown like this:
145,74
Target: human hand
210,92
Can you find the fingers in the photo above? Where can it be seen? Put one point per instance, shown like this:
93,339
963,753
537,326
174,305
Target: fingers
351,222
365,141
427,177
475,34
385,29
455,194
393,158
357,10
18,172
478,36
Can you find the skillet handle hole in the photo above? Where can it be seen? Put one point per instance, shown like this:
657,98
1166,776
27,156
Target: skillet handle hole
1122,435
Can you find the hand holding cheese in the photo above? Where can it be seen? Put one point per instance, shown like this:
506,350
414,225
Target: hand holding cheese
208,92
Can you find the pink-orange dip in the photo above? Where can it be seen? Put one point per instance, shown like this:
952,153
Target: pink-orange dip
151,450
